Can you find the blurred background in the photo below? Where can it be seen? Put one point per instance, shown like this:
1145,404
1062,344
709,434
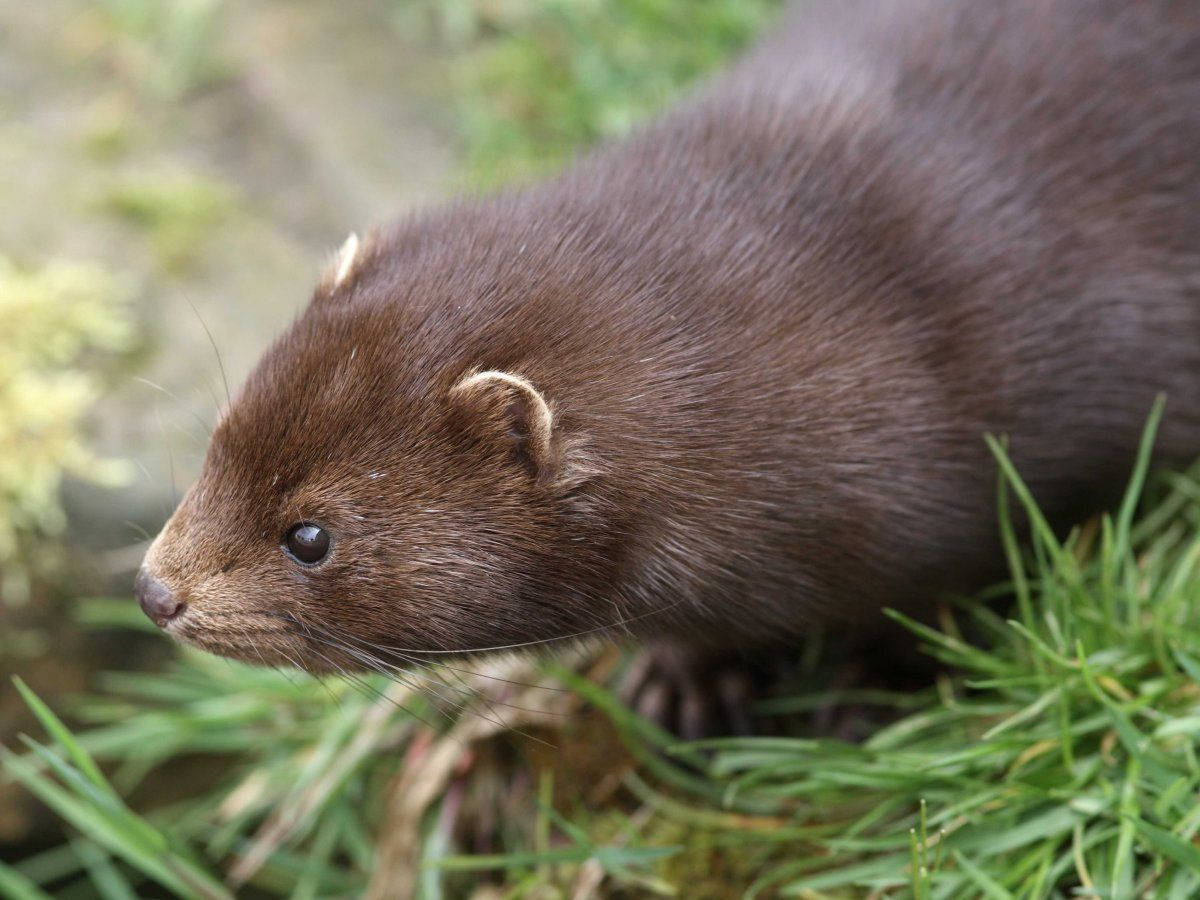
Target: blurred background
173,177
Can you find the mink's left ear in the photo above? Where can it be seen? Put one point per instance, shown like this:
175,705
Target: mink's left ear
508,407
343,267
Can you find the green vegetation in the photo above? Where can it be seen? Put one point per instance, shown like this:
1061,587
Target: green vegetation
1057,752
56,319
558,75
177,212
164,48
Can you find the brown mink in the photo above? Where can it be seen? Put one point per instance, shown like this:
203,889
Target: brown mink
728,378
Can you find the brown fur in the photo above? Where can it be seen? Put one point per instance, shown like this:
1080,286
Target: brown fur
770,330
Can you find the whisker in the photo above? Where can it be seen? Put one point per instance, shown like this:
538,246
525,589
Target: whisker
170,456
465,689
360,683
262,659
138,530
287,676
367,645
337,701
493,716
599,629
398,674
216,352
391,671
301,667
491,701
368,689
523,684
166,512
205,426
381,668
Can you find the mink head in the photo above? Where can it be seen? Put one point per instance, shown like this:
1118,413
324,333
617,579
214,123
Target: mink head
377,487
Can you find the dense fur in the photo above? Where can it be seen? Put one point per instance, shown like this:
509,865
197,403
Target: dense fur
769,332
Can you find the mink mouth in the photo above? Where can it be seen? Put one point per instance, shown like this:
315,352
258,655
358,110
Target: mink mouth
280,639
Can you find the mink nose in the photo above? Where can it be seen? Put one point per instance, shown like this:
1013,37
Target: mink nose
155,598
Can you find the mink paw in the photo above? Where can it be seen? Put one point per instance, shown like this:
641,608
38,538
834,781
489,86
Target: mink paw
691,694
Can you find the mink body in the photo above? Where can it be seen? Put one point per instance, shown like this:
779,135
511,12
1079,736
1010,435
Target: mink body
768,331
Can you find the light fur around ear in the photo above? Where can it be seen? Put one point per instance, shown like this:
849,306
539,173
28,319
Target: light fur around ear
511,401
346,257
343,266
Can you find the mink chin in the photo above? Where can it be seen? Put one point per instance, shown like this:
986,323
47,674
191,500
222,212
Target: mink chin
728,378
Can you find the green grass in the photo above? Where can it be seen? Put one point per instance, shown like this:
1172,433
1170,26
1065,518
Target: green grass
547,78
59,320
1056,756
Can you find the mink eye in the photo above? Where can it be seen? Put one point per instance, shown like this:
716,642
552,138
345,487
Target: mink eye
306,543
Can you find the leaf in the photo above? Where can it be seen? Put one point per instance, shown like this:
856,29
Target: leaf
983,881
17,887
1169,845
124,834
606,856
62,736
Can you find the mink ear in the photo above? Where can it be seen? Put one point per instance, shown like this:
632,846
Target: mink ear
509,406
342,267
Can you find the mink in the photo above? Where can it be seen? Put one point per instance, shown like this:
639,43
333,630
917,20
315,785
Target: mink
727,380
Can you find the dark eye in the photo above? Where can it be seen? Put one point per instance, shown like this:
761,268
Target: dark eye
306,542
